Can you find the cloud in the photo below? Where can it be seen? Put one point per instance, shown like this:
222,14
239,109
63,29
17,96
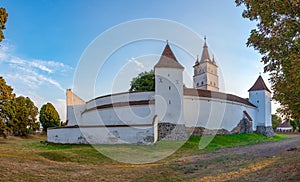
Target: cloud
33,72
138,63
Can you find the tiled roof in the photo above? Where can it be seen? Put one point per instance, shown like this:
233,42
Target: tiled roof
259,85
216,95
205,55
168,59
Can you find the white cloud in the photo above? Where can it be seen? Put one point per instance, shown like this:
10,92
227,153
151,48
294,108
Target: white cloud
32,72
138,63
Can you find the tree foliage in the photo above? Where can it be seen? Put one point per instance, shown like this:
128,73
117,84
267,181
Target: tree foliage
6,97
276,120
23,114
277,38
17,115
49,117
145,81
3,19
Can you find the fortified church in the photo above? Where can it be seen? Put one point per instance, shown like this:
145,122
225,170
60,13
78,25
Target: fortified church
171,112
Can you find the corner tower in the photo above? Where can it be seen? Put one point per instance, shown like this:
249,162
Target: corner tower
169,97
260,96
206,72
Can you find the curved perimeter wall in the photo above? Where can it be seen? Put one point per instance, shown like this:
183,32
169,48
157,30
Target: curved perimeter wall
214,113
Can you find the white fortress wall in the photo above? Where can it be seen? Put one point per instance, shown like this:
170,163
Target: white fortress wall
214,113
123,115
120,97
120,109
102,135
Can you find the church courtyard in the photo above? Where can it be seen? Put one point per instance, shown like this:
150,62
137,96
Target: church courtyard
239,157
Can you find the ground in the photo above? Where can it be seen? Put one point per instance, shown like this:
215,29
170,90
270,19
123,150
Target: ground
235,158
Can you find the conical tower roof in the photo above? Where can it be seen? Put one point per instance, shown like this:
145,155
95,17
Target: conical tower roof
205,55
259,85
168,59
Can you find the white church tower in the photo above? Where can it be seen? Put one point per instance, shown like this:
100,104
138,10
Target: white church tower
169,97
206,72
260,96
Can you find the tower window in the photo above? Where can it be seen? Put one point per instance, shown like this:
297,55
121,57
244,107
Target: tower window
202,83
169,87
210,82
257,101
169,101
197,84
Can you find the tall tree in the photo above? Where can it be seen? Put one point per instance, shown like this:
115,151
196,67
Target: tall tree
277,38
23,116
6,97
276,120
49,116
3,19
145,81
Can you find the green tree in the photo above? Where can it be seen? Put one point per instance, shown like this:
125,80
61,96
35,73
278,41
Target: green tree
49,116
277,38
145,81
3,19
6,97
276,120
23,116
294,124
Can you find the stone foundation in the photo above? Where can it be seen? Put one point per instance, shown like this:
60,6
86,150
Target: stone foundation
172,132
244,126
201,131
265,130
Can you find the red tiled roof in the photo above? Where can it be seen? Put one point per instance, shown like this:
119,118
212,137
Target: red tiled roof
259,85
216,95
168,59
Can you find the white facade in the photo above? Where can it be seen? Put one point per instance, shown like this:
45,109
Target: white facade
135,117
262,100
168,95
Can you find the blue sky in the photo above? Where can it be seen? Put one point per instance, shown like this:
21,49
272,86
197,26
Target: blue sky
46,38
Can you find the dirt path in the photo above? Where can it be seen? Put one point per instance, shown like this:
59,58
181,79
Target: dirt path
261,150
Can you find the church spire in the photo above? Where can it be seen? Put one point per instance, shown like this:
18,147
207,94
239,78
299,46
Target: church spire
205,55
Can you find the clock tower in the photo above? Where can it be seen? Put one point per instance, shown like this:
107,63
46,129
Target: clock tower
206,72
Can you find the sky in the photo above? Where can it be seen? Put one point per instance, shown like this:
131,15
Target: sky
45,41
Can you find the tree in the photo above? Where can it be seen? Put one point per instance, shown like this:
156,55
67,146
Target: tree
145,81
23,116
49,116
293,123
276,120
6,97
3,19
277,38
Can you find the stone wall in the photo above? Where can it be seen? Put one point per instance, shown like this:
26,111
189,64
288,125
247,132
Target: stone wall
171,132
265,130
244,126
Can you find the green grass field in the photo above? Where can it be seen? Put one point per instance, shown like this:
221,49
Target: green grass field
30,159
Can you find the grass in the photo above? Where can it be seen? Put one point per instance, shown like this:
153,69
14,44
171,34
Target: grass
30,159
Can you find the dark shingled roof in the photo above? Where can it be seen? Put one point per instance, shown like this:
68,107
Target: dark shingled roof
216,95
259,85
168,59
286,124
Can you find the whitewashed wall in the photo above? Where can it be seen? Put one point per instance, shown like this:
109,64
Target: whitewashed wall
125,115
102,135
215,113
169,94
262,99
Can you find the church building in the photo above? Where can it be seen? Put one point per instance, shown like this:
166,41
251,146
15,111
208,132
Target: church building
171,112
